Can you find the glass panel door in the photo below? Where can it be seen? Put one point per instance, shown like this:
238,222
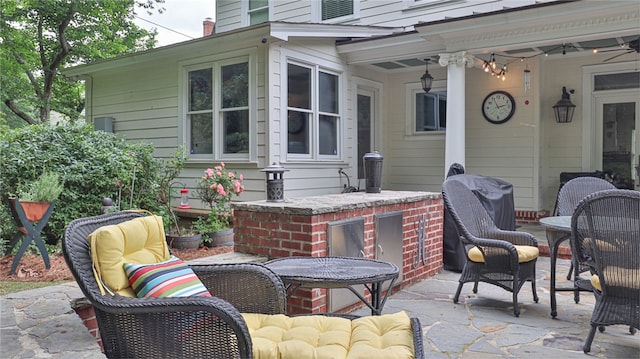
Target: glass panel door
620,146
365,127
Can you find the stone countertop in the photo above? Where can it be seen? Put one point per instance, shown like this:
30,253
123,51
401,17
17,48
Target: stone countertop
331,203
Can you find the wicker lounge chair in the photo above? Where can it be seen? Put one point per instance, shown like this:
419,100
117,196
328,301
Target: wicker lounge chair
181,327
606,233
506,259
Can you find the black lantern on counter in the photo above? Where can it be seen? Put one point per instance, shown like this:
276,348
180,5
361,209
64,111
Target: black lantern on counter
275,183
564,108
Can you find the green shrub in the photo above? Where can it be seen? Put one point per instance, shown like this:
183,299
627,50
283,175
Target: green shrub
92,165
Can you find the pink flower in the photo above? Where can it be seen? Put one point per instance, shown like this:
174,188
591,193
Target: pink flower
221,190
237,187
218,186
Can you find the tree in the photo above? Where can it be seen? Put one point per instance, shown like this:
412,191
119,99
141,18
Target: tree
41,37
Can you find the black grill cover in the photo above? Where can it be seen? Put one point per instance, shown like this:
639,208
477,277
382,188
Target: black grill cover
496,196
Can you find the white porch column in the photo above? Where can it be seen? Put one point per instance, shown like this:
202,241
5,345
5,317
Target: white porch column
455,134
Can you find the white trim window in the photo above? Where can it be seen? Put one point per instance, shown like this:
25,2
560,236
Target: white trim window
411,4
314,118
427,111
257,11
217,110
333,11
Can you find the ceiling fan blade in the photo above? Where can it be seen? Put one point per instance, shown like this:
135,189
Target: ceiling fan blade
618,55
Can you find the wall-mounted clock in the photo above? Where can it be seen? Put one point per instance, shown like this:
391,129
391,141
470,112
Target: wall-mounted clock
498,107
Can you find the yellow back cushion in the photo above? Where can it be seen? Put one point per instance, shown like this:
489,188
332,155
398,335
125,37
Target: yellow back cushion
140,240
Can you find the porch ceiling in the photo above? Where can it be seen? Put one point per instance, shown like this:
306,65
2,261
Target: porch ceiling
572,28
615,46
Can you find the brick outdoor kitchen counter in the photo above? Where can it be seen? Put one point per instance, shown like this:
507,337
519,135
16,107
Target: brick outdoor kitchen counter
402,227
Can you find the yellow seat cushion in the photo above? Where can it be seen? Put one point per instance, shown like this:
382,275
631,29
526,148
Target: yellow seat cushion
525,254
629,278
317,336
140,240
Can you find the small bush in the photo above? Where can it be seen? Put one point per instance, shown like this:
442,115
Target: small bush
92,165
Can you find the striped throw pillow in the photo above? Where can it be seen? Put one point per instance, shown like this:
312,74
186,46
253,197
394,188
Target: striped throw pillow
171,278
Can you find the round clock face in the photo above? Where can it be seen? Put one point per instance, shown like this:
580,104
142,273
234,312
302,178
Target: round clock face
498,107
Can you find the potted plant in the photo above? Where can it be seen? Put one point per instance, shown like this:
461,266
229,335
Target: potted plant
36,197
215,228
216,188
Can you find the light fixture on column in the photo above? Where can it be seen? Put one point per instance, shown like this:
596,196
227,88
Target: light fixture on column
563,109
426,79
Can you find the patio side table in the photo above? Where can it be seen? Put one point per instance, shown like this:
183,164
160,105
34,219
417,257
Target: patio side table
337,272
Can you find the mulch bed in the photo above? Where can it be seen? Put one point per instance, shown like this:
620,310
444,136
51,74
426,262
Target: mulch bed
31,267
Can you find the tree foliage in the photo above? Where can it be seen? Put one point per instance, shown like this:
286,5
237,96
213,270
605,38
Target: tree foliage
38,38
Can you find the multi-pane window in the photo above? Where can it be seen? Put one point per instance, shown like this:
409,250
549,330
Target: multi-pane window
258,11
313,111
218,110
332,9
429,110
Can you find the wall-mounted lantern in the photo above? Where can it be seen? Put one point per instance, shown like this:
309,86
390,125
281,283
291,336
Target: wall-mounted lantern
564,108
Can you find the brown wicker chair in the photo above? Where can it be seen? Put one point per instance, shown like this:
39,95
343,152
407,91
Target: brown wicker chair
184,327
500,265
606,234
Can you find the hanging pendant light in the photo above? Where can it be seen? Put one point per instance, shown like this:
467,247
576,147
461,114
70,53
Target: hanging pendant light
426,79
564,108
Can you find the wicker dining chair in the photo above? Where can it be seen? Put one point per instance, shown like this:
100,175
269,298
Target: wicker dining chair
178,327
569,195
606,232
506,259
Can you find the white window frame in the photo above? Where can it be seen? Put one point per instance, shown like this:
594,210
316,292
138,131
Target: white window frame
316,66
316,13
416,4
411,90
246,13
216,64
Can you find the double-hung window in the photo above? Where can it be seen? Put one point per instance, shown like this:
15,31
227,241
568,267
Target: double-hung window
428,111
217,115
257,11
313,112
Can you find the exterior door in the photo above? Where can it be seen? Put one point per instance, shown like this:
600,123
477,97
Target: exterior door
617,136
366,108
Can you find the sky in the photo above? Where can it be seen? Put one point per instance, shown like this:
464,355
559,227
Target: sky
184,17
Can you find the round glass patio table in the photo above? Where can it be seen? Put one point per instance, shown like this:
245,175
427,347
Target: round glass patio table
337,272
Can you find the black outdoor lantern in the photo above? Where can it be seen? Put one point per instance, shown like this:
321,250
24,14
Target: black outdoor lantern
564,108
275,183
426,79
